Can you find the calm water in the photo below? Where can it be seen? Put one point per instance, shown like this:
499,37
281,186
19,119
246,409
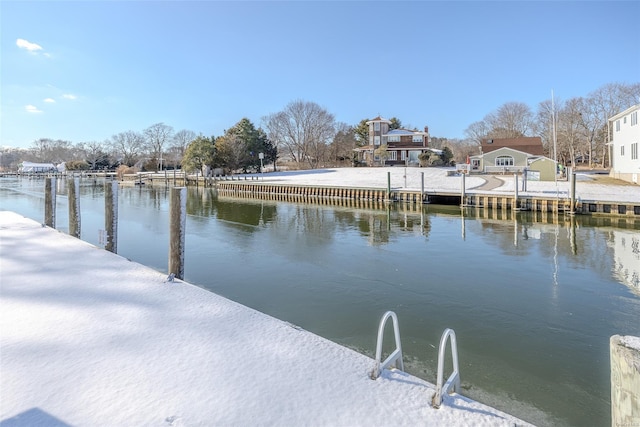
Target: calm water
533,300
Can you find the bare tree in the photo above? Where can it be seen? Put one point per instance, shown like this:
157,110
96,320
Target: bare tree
128,146
571,139
181,140
477,131
606,102
343,144
544,124
53,151
157,136
94,153
512,120
303,130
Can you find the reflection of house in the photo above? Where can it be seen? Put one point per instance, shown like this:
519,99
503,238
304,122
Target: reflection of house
625,132
510,155
403,145
626,263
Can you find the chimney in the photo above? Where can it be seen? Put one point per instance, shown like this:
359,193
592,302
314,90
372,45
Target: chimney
426,130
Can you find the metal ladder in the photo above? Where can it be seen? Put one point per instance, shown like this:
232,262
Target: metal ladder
453,382
396,355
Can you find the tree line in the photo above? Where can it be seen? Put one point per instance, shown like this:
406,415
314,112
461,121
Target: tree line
306,135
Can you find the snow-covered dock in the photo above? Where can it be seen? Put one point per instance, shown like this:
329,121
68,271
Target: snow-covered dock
88,338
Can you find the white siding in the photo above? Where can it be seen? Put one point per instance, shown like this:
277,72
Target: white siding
626,132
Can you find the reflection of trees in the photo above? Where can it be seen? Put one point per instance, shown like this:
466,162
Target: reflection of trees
205,203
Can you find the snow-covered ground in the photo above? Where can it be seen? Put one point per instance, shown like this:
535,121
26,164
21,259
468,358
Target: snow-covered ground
88,338
436,179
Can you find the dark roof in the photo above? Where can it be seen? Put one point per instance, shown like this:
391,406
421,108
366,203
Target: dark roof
527,144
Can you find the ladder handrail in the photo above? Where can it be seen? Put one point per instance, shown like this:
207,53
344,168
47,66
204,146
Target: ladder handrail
454,378
396,355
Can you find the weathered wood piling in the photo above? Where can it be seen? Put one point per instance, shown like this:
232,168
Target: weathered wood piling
177,224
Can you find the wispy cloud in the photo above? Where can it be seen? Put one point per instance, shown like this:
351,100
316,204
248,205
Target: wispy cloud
27,45
32,109
69,96
50,100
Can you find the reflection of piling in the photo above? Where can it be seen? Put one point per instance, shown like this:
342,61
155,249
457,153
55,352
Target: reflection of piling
111,215
73,189
50,202
177,225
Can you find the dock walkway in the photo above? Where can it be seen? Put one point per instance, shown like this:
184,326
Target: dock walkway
89,338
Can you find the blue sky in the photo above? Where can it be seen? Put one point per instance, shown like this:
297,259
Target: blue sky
85,70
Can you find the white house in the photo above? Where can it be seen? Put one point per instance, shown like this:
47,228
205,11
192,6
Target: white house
625,136
30,167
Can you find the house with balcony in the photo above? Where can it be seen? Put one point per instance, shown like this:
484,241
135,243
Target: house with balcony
624,132
403,146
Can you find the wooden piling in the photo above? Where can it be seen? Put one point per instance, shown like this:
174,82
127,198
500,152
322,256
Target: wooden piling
50,202
73,190
572,208
111,215
177,225
462,190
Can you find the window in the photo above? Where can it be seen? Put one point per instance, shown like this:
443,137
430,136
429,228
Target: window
634,118
634,151
376,126
617,125
393,138
622,150
504,161
403,155
417,138
376,140
393,155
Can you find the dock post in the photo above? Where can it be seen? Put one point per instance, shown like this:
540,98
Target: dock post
422,187
111,215
515,195
625,380
572,208
177,224
73,188
388,186
50,201
462,190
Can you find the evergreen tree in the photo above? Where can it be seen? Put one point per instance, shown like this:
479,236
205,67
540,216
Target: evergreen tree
200,152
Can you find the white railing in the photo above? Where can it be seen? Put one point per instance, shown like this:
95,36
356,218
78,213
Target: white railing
503,169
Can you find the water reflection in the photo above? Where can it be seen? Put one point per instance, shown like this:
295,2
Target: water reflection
533,297
626,258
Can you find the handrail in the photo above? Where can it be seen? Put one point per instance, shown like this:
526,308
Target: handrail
454,378
396,355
